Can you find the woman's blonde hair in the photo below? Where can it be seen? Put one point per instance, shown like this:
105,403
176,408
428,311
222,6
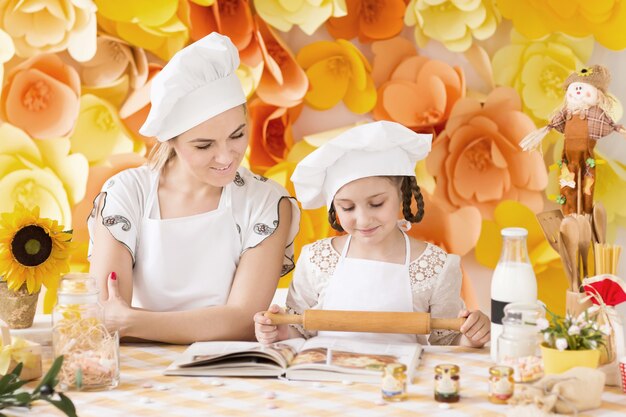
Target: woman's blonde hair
160,154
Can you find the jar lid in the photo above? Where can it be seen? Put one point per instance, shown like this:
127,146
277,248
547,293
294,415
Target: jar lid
514,232
526,313
447,368
500,370
78,283
395,367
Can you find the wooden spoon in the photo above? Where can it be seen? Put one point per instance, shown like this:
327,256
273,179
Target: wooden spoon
599,222
584,241
570,238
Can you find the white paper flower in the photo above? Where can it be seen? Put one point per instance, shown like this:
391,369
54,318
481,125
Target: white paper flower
561,343
542,324
573,330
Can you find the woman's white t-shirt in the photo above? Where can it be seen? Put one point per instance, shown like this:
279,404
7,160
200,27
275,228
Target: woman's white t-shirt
248,215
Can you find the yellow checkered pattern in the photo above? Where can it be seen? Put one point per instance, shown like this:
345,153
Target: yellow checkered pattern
144,391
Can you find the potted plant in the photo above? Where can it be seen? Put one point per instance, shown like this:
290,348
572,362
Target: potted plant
570,341
34,251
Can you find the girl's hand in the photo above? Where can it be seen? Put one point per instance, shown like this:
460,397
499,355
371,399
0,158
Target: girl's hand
476,330
117,312
266,333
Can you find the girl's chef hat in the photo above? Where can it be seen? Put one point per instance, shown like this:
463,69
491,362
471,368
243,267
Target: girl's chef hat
368,150
199,82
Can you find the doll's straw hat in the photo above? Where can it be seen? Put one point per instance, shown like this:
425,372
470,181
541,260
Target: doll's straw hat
596,75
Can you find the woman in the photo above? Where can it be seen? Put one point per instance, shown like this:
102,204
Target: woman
190,246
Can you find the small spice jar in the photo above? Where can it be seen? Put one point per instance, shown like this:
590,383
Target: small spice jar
447,383
393,387
501,384
90,352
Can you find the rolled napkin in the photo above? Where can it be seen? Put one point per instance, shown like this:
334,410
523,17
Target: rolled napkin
578,389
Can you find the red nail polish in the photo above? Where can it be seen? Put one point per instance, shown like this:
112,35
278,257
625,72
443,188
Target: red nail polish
113,276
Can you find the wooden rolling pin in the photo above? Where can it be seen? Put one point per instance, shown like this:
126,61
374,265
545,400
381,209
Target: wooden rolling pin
367,321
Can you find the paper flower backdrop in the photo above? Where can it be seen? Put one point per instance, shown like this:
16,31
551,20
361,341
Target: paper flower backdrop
76,77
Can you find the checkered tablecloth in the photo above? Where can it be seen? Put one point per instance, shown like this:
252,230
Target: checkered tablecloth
144,391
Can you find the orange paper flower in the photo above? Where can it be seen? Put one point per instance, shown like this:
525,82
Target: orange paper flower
135,109
97,176
232,18
41,96
441,225
414,90
337,71
270,135
283,83
369,19
476,160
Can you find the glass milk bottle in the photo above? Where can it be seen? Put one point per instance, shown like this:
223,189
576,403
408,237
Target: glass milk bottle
513,280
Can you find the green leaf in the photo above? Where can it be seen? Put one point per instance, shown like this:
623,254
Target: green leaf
16,385
23,398
17,370
50,377
64,404
5,381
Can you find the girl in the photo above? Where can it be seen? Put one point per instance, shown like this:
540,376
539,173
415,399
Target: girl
188,247
366,176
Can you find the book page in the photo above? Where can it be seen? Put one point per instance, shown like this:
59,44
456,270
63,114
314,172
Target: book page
338,358
206,358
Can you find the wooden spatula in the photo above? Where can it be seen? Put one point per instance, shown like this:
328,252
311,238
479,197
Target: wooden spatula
367,321
550,222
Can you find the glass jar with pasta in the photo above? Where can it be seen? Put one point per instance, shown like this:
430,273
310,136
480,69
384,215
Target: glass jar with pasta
91,353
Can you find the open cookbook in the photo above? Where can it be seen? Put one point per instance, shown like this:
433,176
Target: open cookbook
315,359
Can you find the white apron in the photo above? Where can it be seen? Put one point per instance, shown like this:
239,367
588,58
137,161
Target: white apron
188,262
366,285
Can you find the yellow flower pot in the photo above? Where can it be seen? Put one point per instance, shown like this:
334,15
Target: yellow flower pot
558,361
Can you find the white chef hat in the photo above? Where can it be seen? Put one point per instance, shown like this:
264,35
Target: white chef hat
368,150
199,82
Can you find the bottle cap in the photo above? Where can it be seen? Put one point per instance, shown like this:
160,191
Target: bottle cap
514,232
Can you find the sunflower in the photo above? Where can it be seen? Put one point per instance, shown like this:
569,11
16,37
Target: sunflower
33,251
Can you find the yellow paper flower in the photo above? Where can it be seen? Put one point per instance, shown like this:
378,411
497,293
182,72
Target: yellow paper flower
154,25
309,15
40,173
337,71
551,280
99,132
33,251
454,23
537,69
7,50
250,77
605,20
41,26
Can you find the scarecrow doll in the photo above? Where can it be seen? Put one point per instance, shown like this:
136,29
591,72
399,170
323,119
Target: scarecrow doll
583,119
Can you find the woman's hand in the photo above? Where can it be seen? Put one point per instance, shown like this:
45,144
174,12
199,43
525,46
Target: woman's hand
476,330
117,312
267,333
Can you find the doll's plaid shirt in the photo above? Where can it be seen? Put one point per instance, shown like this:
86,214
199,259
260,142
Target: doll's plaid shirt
600,124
